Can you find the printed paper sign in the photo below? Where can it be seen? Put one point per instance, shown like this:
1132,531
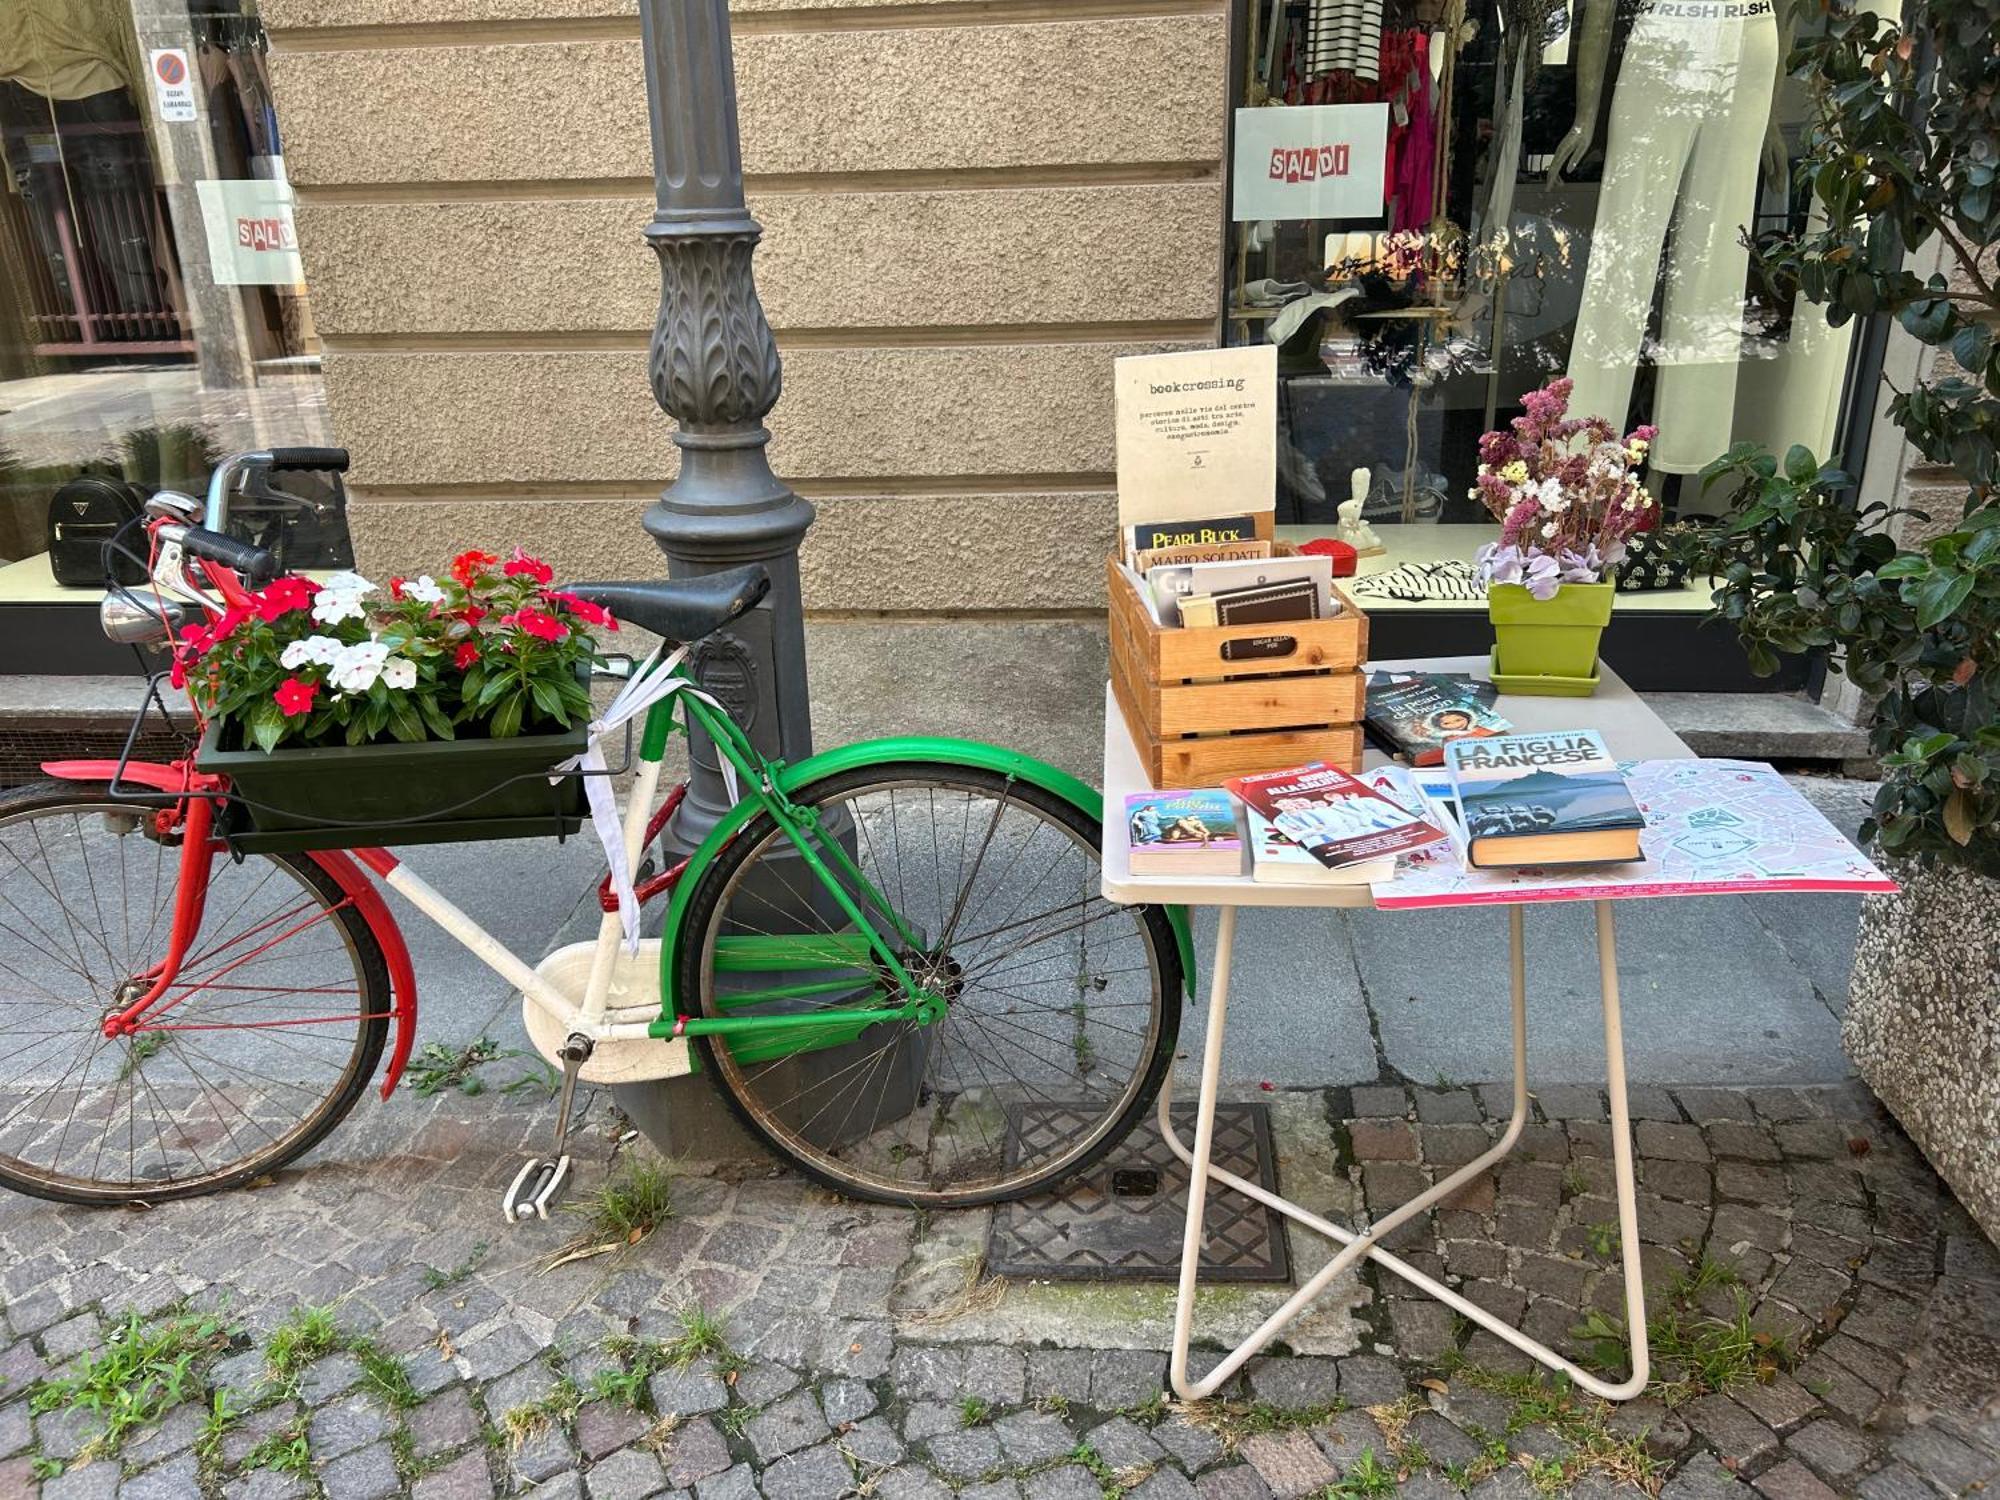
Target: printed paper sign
1197,434
173,84
251,239
1311,161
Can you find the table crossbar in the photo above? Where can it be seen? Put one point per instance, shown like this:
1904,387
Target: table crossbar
1366,1243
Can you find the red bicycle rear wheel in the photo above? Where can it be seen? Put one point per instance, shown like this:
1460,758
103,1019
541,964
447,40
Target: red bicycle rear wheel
261,1045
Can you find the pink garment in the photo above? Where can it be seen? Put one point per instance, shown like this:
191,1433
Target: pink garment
1412,158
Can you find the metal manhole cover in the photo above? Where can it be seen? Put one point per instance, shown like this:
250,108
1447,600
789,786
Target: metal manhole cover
1122,1219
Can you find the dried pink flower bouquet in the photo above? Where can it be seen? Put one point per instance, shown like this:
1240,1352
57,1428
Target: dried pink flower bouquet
1565,491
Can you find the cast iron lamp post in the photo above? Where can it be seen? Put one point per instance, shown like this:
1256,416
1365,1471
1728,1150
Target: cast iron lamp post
714,369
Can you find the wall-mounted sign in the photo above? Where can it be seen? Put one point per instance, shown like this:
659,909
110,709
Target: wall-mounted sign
173,83
1197,434
1311,161
251,239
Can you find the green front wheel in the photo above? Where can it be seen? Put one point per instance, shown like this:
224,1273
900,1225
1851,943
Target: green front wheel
1060,1014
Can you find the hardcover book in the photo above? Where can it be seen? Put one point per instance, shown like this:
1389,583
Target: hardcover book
1147,536
1336,818
1183,833
1543,799
1420,715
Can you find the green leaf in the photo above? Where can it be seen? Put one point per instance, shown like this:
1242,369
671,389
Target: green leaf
266,725
507,719
405,723
1800,465
1938,597
436,718
549,701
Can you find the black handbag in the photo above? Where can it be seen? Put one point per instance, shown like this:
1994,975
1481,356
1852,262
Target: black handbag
85,514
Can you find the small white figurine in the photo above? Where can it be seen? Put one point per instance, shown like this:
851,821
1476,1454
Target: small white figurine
1352,530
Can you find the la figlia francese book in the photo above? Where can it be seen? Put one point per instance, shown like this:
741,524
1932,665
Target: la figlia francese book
1543,799
1184,833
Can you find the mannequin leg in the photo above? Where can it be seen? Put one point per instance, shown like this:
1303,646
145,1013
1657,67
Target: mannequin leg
1647,149
1701,316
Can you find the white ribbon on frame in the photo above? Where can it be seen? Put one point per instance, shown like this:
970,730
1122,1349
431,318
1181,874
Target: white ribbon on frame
653,681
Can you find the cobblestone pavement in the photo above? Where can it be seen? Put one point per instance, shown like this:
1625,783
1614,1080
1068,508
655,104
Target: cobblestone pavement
373,1330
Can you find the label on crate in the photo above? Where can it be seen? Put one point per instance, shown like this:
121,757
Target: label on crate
1260,648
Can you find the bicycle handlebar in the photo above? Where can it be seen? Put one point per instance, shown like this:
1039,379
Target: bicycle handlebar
254,563
216,516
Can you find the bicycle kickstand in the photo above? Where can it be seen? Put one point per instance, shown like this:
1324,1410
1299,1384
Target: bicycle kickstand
541,1178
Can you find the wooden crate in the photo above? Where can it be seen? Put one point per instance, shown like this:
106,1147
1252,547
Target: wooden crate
1199,709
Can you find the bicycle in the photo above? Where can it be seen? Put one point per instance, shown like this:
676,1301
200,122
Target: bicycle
893,958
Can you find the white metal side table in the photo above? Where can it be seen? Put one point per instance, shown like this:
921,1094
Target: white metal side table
1633,732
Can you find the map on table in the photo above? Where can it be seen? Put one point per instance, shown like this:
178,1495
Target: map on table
1712,827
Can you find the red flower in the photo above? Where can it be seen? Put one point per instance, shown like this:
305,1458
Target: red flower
466,655
233,616
522,565
472,614
196,640
282,597
469,564
295,696
177,675
538,623
395,588
583,609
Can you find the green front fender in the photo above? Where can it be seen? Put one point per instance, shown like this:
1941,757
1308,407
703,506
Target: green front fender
877,752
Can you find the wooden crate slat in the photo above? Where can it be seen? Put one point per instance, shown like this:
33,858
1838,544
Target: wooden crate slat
1257,703
1205,762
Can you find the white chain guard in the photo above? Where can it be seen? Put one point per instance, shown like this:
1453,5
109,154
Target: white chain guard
634,997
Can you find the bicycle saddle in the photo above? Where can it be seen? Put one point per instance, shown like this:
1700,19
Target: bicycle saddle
682,609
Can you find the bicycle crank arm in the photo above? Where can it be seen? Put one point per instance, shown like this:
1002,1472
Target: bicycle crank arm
534,1188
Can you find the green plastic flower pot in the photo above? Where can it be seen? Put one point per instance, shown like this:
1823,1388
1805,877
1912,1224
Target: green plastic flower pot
1548,646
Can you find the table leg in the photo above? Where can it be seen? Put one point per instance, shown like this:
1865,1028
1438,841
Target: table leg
1204,1141
1365,1243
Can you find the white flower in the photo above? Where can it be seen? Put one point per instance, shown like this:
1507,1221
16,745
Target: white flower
423,588
400,673
1549,530
339,598
356,667
348,583
330,608
320,650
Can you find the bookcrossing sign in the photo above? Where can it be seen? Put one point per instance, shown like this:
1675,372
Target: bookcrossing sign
173,84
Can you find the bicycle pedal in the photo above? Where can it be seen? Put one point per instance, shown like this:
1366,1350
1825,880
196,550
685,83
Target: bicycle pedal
534,1188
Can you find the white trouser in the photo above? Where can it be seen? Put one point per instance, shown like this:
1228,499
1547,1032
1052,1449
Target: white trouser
1687,130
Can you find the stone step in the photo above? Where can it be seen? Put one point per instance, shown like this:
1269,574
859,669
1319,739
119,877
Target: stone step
1760,726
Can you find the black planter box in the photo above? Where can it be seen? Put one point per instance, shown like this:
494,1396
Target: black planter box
434,792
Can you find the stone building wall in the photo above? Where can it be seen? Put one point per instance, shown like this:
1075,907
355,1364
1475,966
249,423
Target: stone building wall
970,208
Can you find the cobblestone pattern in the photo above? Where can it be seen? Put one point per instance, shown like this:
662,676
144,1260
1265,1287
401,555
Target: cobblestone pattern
1836,1232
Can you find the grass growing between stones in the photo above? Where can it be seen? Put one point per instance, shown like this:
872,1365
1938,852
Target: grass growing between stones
1366,1478
1695,1352
703,1335
527,1422
144,1370
974,1411
1233,1421
1580,1420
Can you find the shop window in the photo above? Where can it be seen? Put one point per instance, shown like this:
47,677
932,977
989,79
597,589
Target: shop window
153,315
1439,205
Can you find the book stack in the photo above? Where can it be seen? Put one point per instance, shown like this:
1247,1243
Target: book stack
1221,572
1183,833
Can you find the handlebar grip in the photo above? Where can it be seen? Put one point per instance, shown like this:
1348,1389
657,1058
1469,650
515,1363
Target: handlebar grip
254,563
334,459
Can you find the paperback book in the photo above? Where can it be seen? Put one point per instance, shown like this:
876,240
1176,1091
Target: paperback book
1554,798
1184,833
1418,715
1275,859
1336,818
